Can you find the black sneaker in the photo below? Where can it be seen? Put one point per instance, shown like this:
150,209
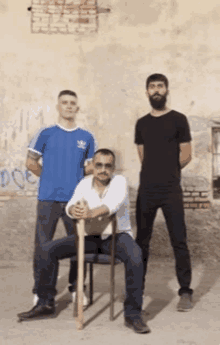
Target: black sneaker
137,324
185,302
39,311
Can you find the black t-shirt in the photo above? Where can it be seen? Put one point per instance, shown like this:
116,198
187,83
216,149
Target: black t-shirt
161,137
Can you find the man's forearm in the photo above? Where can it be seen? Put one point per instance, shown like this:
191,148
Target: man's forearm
78,212
140,149
32,163
185,154
36,169
98,212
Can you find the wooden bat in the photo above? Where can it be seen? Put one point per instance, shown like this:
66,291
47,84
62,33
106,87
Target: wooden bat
80,278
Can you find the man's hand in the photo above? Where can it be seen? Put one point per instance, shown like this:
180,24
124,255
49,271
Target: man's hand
80,210
88,169
140,149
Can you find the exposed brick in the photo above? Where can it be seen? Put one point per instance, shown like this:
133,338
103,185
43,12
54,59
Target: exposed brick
190,189
186,205
201,189
206,205
204,194
186,193
193,205
199,199
188,199
195,194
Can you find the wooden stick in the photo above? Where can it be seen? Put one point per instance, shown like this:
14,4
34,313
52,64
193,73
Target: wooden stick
80,278
112,271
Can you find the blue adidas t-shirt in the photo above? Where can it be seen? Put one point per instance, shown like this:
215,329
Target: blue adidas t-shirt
64,153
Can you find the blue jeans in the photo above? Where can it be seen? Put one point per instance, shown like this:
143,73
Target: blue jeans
172,207
126,250
48,214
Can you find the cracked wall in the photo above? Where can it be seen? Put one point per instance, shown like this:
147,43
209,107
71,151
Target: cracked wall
108,71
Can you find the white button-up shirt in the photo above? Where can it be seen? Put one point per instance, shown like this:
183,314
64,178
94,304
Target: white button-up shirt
114,197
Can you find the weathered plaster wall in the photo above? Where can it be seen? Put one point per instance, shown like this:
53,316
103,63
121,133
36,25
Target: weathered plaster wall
108,71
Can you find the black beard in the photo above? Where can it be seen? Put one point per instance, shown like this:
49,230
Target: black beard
158,104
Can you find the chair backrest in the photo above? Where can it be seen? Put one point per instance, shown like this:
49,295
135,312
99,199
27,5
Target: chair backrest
104,258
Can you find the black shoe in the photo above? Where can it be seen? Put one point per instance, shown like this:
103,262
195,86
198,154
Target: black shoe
39,311
137,324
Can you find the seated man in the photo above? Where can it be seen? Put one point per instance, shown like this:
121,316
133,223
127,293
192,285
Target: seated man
103,194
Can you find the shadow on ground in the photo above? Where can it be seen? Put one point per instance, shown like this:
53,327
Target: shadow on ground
158,287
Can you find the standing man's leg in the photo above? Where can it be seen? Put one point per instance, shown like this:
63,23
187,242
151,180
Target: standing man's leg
50,253
146,209
48,213
129,252
174,214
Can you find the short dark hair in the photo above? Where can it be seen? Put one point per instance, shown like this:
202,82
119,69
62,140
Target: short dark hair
105,152
157,77
67,92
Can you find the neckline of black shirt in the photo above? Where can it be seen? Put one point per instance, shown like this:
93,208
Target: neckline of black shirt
157,117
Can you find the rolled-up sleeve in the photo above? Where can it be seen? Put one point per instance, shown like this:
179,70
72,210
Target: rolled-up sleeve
77,196
116,194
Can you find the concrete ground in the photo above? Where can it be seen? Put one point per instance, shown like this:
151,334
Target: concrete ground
201,326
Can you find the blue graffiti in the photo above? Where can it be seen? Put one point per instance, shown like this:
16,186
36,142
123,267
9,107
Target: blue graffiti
5,178
17,176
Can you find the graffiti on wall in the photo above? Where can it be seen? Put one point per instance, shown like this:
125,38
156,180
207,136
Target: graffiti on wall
16,178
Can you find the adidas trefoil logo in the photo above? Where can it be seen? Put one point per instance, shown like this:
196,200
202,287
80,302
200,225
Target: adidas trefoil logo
81,144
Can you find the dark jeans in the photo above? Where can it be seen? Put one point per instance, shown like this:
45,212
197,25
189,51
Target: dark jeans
172,207
127,251
48,214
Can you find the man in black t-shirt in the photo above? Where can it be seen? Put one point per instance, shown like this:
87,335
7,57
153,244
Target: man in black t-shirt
164,148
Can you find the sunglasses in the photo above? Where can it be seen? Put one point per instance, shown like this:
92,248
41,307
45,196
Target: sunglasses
107,166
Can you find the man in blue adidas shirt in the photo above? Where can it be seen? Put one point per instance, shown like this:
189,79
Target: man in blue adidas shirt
65,149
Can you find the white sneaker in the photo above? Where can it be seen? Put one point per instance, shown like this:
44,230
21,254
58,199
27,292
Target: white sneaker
35,300
85,299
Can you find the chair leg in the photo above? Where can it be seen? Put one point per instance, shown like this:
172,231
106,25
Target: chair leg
112,291
91,283
75,306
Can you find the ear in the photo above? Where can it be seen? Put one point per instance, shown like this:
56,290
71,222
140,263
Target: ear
147,94
77,109
57,107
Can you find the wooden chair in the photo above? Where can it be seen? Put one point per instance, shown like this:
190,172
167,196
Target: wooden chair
103,259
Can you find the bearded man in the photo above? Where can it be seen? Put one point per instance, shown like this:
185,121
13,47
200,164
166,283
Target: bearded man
164,148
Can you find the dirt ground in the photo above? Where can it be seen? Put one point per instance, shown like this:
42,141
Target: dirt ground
200,326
